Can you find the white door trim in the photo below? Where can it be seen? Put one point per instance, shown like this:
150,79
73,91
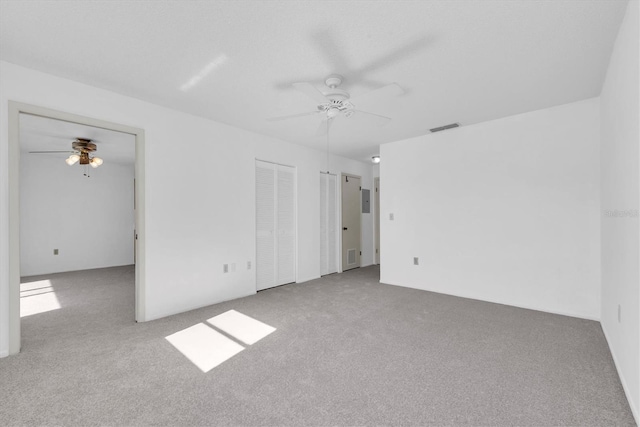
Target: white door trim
17,108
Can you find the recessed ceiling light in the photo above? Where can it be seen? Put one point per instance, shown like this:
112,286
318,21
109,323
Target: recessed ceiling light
375,159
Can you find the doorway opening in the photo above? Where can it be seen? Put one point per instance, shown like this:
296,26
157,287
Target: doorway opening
351,221
39,130
376,202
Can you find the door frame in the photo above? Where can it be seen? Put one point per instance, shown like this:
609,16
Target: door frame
376,220
350,175
17,108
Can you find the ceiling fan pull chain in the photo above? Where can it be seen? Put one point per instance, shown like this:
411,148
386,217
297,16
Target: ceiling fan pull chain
328,170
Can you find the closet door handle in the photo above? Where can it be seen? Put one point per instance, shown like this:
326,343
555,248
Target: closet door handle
344,228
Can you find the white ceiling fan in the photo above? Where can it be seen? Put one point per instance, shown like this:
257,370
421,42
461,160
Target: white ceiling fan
334,102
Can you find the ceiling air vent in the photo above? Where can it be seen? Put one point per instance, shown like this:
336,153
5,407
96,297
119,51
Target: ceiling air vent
445,127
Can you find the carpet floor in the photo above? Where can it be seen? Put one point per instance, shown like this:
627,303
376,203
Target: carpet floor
346,350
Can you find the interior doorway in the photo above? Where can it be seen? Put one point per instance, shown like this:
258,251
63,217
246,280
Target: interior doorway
376,202
18,111
351,221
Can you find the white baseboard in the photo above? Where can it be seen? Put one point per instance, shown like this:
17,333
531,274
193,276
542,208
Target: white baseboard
479,298
4,353
625,387
307,279
164,314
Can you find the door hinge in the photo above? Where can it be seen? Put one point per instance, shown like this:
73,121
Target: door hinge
360,188
360,253
376,251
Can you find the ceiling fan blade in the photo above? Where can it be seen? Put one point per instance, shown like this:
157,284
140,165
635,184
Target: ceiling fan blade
332,47
311,91
402,53
46,152
380,120
275,119
392,89
323,127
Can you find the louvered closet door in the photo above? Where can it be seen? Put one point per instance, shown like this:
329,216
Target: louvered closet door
265,225
328,224
286,225
275,225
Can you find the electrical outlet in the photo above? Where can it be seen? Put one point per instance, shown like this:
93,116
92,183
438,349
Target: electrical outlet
56,252
225,268
416,261
619,314
248,265
391,217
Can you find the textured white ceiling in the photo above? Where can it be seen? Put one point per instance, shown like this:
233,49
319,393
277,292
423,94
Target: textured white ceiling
234,61
44,134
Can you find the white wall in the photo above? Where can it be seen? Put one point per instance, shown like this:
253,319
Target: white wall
620,204
89,220
199,215
504,211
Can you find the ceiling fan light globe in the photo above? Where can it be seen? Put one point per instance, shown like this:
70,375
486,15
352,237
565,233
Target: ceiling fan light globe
332,112
95,162
72,159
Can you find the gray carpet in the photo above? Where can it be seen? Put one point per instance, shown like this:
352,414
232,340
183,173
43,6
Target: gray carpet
347,351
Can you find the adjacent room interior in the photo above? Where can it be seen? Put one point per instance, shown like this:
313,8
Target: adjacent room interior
70,196
320,213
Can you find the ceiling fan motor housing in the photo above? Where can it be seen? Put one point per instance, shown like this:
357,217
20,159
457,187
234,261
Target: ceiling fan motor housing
84,145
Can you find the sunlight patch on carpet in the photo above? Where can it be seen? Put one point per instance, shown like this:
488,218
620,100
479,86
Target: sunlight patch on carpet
203,346
37,297
240,326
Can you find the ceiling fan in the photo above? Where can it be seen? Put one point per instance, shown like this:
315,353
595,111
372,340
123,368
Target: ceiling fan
334,102
82,148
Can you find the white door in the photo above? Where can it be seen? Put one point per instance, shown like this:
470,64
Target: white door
328,224
275,225
265,225
350,222
286,225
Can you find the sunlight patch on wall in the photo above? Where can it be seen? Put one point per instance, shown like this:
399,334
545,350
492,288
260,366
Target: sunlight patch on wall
242,327
218,61
37,297
203,346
